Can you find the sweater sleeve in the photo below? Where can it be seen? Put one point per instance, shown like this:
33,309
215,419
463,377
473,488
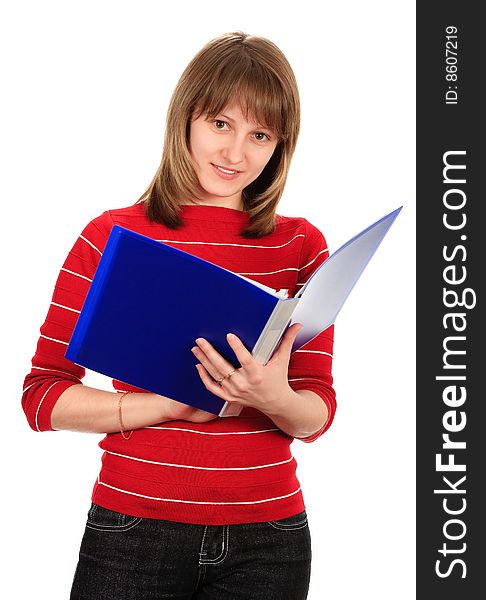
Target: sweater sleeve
51,372
310,367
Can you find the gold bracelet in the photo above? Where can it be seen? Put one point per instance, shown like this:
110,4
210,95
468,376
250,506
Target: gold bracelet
120,420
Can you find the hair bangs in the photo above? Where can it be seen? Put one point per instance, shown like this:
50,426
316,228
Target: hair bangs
249,85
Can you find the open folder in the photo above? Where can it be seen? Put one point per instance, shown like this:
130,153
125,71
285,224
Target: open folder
148,302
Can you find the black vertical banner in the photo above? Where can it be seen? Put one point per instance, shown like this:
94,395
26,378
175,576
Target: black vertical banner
451,268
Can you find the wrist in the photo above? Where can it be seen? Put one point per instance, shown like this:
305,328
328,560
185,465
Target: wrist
148,406
280,405
167,408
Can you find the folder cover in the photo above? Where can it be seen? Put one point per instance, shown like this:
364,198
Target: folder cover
148,302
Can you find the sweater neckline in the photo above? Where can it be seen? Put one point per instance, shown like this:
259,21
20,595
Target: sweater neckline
204,212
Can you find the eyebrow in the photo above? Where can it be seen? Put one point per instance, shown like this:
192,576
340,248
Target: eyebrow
259,125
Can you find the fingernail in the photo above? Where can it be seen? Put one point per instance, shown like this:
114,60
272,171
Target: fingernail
231,336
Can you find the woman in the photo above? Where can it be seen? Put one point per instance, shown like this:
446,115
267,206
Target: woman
188,505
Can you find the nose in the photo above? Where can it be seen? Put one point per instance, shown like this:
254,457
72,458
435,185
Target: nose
234,150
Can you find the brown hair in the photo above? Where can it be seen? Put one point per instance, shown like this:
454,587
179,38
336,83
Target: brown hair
254,72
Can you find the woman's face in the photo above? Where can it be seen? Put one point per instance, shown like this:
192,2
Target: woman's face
229,153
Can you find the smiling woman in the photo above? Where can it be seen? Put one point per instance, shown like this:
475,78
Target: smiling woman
190,505
246,84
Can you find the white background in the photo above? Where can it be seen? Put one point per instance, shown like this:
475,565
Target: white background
86,87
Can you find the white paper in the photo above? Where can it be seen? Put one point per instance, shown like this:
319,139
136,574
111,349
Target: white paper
324,294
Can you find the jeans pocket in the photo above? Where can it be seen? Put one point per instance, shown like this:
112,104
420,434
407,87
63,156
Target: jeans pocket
291,523
104,519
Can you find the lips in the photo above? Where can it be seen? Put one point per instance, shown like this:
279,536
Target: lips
225,168
224,172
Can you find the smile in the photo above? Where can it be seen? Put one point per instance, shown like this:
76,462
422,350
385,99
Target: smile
225,173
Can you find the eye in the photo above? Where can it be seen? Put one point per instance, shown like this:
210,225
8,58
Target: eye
262,139
219,124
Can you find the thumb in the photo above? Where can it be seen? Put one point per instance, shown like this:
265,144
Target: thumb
287,342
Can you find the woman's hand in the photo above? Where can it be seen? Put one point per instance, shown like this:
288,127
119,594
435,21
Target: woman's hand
263,387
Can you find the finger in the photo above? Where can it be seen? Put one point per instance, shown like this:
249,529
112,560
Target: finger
243,355
217,362
211,385
287,341
203,359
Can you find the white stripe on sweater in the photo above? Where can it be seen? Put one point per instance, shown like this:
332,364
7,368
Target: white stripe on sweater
90,243
66,307
212,432
315,352
314,259
56,371
163,464
76,274
54,340
288,269
193,501
228,244
272,272
40,404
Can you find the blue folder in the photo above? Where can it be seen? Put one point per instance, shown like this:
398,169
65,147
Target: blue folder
148,302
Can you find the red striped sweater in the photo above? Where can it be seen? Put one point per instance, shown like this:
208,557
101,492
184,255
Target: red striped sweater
228,470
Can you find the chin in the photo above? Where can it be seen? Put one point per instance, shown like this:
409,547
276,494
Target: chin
220,191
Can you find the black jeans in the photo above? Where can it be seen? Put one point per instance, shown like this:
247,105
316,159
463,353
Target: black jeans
129,558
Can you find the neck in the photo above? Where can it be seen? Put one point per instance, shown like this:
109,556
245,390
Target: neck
236,205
